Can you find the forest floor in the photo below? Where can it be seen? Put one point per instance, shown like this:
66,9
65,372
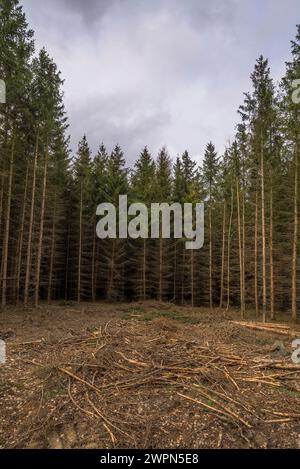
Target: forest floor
145,375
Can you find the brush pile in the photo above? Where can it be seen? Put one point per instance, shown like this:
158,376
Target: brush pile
158,384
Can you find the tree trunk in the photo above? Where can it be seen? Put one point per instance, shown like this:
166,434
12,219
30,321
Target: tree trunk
79,248
20,240
41,233
28,257
49,294
243,252
144,269
223,256
192,278
67,265
256,255
111,275
295,237
160,291
210,259
240,248
183,276
263,229
175,271
271,257
7,226
94,264
1,199
228,251
97,269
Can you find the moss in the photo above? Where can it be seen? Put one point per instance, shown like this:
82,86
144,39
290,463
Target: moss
9,387
289,392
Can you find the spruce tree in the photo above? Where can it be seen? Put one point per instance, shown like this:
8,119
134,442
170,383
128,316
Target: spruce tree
16,49
116,252
210,176
161,257
290,122
259,113
82,221
143,191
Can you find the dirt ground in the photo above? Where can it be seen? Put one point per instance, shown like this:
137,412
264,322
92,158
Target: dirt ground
145,375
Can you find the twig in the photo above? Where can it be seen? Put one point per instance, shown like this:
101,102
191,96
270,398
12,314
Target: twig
219,411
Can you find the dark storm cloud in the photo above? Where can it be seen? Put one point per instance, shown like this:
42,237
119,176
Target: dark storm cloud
161,71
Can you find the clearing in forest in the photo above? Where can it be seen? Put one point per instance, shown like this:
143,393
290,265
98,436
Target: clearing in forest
145,375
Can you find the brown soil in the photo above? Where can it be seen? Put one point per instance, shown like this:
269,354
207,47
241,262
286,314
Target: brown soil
144,375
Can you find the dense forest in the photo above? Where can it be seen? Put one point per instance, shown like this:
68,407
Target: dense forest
48,198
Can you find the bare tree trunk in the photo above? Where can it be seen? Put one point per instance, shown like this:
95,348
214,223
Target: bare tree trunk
192,278
223,256
97,269
41,233
240,248
210,259
93,264
263,228
256,255
271,257
183,276
295,237
175,271
49,294
228,251
7,226
79,248
111,275
160,292
1,199
243,252
20,240
28,257
67,265
144,269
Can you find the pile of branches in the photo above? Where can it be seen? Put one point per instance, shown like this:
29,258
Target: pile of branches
122,374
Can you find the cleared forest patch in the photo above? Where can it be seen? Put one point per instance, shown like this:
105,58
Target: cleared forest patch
145,375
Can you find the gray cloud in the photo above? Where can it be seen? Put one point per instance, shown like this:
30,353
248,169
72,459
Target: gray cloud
118,121
89,10
161,72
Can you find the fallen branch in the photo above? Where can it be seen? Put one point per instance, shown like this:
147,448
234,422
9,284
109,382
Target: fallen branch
262,327
214,409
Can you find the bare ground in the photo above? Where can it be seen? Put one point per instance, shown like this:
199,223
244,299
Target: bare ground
144,375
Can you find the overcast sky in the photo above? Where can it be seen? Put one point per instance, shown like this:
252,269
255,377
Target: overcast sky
173,72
